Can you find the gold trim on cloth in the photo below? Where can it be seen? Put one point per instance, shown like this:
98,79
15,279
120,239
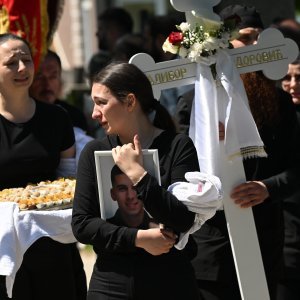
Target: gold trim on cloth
249,152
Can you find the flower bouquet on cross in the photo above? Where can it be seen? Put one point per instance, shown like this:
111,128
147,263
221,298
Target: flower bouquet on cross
200,41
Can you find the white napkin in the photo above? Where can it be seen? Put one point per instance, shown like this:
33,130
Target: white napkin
202,194
19,230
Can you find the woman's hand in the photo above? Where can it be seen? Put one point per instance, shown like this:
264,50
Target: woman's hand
250,193
129,159
155,241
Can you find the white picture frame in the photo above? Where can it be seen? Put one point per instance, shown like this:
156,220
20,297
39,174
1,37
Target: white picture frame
104,163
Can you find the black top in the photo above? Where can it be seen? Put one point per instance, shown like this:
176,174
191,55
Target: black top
118,220
30,152
183,111
177,155
291,211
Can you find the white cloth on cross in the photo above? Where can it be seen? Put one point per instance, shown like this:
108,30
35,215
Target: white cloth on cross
224,100
202,194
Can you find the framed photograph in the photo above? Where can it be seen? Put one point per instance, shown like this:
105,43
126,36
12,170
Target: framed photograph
104,164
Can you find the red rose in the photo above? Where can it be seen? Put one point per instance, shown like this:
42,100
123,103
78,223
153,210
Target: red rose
175,38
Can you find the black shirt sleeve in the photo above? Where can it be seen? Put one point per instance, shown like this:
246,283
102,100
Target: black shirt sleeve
287,138
177,156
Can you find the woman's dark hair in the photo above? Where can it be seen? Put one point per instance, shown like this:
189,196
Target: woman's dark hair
125,78
10,36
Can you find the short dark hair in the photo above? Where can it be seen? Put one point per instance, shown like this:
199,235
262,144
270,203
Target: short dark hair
118,16
128,45
114,172
54,55
162,25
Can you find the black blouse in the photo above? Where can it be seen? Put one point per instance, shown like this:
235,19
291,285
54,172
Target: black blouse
177,155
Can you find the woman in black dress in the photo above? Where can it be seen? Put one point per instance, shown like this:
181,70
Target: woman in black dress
33,138
124,105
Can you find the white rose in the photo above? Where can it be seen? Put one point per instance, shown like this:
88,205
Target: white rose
210,43
183,52
184,26
168,47
194,54
197,47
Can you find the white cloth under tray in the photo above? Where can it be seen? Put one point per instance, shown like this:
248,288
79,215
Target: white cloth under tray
19,230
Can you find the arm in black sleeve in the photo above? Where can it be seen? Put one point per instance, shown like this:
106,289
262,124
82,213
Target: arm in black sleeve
175,160
66,129
286,182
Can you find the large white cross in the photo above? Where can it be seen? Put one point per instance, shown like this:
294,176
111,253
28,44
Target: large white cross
271,54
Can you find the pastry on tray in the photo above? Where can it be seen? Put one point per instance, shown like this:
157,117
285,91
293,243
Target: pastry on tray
46,195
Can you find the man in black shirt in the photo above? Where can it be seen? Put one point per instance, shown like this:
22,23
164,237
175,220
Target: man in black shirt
47,87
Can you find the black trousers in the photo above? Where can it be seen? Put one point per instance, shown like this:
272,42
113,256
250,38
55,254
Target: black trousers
288,290
142,278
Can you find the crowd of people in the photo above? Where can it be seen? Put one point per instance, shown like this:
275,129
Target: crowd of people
43,137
